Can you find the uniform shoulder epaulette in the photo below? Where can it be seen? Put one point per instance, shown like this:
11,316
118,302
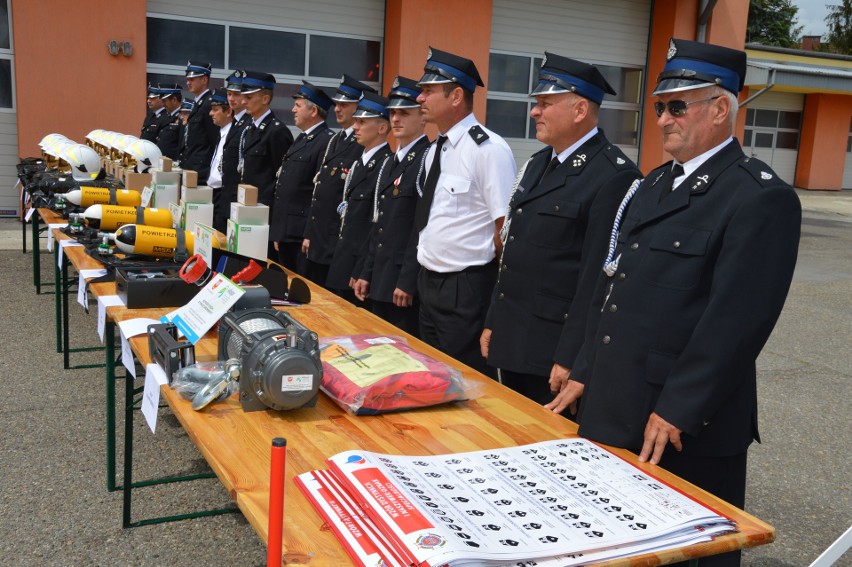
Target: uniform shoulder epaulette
618,157
478,134
761,172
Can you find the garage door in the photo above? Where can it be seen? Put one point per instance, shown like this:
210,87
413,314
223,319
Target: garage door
773,122
612,34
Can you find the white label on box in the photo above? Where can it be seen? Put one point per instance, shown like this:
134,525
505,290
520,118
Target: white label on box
177,215
147,193
50,228
204,243
297,382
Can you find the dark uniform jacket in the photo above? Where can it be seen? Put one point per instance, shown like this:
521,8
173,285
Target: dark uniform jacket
263,149
557,241
700,284
169,135
151,126
223,197
295,185
351,248
200,137
391,260
324,224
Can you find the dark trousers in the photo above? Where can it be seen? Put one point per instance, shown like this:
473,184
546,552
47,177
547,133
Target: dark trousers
724,477
316,272
290,256
452,311
406,318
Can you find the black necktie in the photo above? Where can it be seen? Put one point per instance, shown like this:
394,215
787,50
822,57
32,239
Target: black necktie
299,138
676,171
395,161
554,163
421,214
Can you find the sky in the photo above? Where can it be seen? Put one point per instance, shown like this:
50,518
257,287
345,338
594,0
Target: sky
812,15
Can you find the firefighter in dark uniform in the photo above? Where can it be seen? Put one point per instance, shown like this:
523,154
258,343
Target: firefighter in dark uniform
556,232
152,118
169,133
695,279
324,224
266,139
295,183
358,209
231,151
389,276
200,135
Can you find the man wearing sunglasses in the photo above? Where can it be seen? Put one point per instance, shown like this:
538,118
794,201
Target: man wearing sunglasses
700,262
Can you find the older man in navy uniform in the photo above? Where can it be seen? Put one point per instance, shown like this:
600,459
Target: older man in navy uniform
389,275
556,232
200,135
295,183
169,133
468,177
342,150
357,210
266,140
695,279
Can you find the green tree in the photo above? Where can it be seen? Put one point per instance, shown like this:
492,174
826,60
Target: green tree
773,22
839,22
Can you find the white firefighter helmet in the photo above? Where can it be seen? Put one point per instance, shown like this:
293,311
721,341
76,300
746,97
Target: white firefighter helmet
84,161
146,154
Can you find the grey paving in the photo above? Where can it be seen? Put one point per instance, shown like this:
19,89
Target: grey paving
55,509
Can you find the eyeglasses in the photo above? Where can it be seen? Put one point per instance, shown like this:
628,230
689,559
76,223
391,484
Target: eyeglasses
677,108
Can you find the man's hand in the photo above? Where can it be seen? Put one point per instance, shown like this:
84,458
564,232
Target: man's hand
658,434
361,289
567,398
402,299
484,342
305,245
275,245
558,376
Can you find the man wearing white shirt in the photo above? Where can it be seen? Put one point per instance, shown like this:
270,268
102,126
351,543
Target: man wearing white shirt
464,198
222,115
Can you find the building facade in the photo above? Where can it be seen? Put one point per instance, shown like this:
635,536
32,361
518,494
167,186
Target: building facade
58,75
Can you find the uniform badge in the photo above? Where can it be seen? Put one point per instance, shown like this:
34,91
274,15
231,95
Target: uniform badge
263,126
620,161
701,180
395,83
343,173
429,55
579,160
333,171
371,164
672,50
765,176
409,157
544,61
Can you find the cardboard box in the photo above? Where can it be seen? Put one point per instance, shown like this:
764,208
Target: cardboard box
165,164
249,214
166,184
248,240
201,213
190,178
246,194
137,181
198,195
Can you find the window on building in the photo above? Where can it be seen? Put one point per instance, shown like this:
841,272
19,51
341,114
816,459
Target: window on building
6,58
174,42
772,129
290,55
511,77
5,36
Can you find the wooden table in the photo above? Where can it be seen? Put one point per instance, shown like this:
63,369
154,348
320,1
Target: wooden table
236,444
